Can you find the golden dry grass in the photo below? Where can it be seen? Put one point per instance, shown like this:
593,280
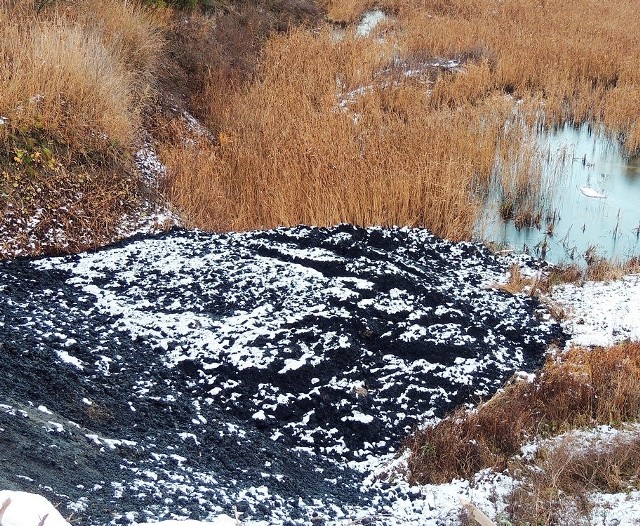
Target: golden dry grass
578,388
577,56
599,269
332,130
318,139
77,72
318,126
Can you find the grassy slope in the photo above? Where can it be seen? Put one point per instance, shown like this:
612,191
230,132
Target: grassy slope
84,85
74,79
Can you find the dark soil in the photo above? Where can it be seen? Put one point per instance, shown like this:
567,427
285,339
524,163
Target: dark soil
208,367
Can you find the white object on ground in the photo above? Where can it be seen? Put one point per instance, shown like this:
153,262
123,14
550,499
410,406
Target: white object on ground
369,21
590,192
28,509
474,512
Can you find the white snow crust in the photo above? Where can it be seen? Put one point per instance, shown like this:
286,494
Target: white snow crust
601,313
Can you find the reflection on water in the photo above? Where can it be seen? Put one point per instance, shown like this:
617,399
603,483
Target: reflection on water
594,201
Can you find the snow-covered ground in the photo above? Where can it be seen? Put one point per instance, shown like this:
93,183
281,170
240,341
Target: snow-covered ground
601,313
265,377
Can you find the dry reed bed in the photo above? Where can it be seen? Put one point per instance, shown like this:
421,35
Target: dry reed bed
554,487
576,57
324,129
407,151
289,154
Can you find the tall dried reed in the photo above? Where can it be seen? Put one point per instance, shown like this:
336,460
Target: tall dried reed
333,128
576,55
77,72
323,137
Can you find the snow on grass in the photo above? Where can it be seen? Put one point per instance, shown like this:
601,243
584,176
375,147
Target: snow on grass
615,509
369,22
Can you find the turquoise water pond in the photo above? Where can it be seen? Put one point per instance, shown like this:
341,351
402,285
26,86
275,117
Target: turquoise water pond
590,194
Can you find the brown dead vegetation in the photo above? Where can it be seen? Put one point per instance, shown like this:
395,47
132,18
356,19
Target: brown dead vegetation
79,70
554,485
331,128
74,78
574,389
84,83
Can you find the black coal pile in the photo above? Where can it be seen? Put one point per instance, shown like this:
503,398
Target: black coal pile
187,374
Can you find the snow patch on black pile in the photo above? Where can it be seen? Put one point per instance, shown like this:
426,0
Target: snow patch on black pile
183,374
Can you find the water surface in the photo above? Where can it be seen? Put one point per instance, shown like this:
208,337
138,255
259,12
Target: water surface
591,200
